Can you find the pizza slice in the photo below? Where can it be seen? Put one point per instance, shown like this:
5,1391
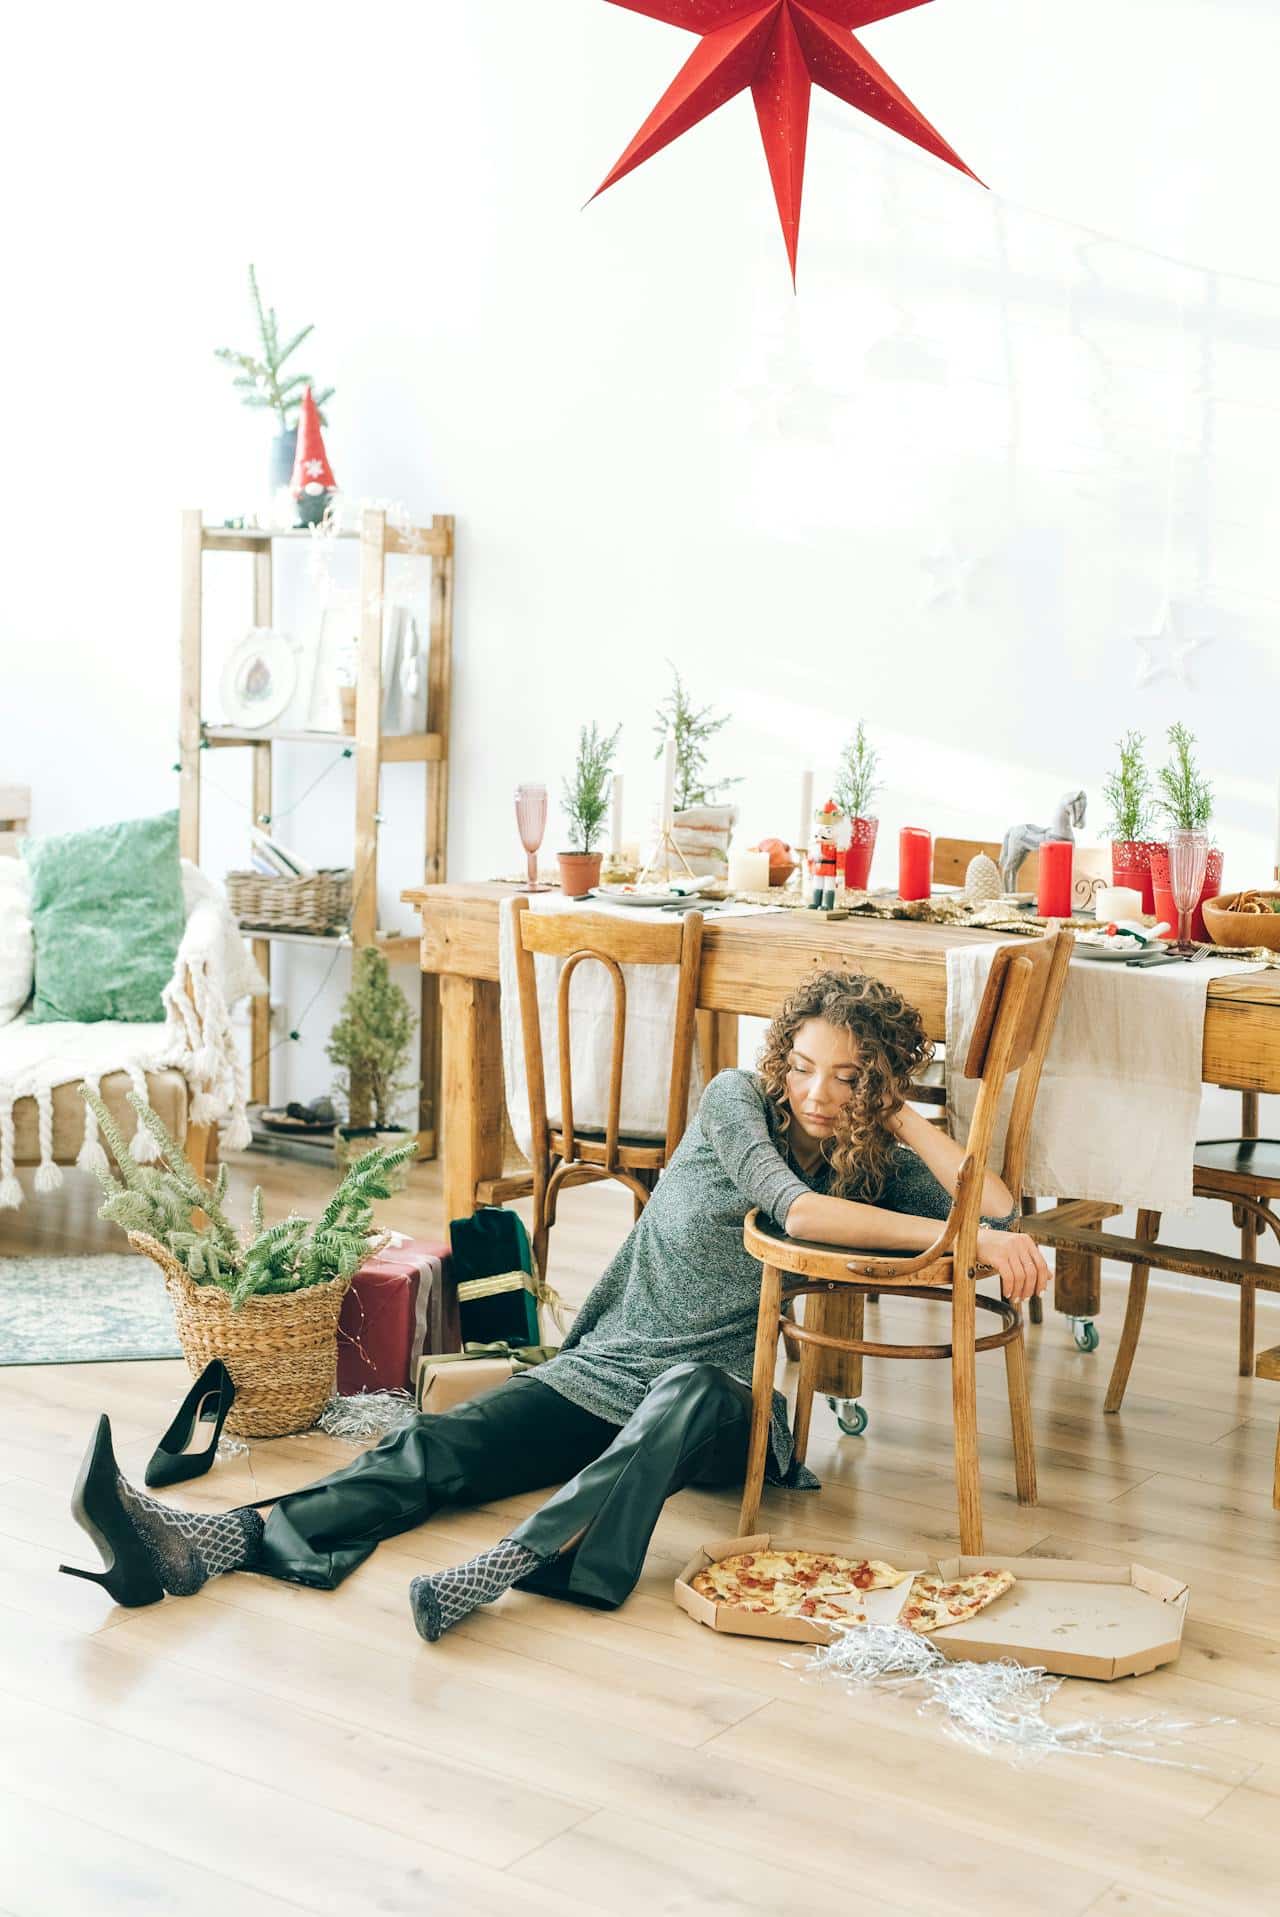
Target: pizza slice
934,1602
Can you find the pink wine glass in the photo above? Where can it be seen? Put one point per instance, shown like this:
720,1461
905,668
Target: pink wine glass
531,823
1188,861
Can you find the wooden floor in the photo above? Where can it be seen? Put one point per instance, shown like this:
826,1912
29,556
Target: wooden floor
262,1748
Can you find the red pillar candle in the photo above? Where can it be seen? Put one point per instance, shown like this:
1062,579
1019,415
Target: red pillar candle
1053,889
915,862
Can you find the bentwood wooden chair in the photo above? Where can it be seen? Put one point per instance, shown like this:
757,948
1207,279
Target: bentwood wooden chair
563,1152
1014,1025
1242,1172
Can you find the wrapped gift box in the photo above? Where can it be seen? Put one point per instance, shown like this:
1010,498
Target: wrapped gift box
503,1306
442,1384
401,1304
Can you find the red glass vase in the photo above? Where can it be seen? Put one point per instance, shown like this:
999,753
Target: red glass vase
857,860
1131,866
1164,907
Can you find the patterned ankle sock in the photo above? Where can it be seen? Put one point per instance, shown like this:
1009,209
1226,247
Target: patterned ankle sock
441,1599
187,1548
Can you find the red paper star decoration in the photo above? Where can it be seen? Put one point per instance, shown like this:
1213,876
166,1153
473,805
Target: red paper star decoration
779,50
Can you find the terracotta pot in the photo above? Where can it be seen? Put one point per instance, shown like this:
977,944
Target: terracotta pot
857,860
579,871
1164,907
1131,866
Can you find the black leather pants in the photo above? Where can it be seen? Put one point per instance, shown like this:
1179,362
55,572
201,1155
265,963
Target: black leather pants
692,1427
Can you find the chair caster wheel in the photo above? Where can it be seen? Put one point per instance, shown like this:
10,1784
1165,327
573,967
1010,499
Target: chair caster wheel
1085,1333
850,1416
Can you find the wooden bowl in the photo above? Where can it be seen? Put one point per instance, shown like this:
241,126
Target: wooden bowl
780,871
1226,927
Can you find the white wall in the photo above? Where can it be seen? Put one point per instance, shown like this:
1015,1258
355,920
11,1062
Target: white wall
653,448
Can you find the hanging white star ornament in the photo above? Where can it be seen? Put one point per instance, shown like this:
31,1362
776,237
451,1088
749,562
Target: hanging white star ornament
1181,632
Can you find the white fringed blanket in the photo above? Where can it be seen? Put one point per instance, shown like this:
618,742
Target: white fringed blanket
212,972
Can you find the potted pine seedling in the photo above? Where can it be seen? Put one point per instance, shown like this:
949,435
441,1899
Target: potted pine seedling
1185,798
586,804
370,1045
855,791
1133,819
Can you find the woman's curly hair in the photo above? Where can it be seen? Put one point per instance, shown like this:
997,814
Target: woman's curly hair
892,1047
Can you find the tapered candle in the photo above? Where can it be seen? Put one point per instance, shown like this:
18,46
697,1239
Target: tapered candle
615,807
915,862
669,782
806,810
1053,888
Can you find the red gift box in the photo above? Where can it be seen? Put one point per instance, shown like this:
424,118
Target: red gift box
402,1305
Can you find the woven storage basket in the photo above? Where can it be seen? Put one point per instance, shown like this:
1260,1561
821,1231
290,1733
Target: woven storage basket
282,1351
317,904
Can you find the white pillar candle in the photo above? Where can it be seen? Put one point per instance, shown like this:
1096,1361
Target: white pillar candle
669,782
806,810
615,812
748,871
1112,903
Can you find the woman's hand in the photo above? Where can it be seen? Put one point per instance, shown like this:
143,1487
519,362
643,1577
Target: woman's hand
1018,1260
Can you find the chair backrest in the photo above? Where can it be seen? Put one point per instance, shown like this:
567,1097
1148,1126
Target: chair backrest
581,938
15,818
1011,1033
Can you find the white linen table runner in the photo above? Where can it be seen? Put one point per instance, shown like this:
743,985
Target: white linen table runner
1119,1102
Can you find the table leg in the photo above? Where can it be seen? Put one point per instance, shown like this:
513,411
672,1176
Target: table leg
470,1127
1077,1283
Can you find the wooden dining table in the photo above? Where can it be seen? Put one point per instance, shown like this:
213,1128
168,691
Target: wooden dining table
749,964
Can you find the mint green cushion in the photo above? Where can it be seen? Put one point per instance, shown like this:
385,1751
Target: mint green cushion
107,914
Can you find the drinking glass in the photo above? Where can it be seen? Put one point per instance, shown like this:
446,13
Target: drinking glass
531,822
1188,860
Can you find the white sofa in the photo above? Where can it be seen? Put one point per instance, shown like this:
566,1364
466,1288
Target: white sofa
187,1067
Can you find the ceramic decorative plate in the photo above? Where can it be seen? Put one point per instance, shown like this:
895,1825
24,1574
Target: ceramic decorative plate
1095,945
259,679
646,894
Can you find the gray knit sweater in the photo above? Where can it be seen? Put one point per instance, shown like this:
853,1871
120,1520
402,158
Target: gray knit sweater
683,1289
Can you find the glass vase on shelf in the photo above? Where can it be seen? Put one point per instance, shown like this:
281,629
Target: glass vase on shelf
531,823
1188,858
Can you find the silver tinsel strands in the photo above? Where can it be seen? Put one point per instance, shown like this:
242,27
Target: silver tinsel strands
370,1414
997,1708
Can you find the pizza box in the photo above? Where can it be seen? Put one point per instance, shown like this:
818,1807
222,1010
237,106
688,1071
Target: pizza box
881,1607
1076,1619
1080,1620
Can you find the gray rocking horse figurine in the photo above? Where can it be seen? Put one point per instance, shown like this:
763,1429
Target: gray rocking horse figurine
1021,839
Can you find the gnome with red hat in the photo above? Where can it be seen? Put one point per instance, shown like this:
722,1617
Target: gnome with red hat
313,483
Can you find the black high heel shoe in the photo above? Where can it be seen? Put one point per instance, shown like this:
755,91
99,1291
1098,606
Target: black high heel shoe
208,1402
129,1576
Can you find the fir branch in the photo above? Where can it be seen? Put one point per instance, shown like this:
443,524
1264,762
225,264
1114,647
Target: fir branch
587,794
1128,791
856,784
1186,795
114,1139
200,1196
692,726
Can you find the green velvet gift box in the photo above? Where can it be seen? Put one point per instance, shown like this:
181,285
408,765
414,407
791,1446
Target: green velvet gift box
503,1306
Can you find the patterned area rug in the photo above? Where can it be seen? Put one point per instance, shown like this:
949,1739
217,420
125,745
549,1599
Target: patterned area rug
99,1310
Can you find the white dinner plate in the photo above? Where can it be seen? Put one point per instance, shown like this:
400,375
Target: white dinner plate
1084,947
642,899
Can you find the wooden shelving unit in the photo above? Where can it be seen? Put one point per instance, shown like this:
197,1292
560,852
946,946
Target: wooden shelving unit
371,751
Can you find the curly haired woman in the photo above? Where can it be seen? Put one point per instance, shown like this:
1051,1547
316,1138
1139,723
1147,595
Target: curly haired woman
649,1392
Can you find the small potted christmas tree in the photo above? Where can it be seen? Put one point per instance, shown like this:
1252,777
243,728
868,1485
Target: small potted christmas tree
586,805
1185,797
856,788
1133,817
370,1046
